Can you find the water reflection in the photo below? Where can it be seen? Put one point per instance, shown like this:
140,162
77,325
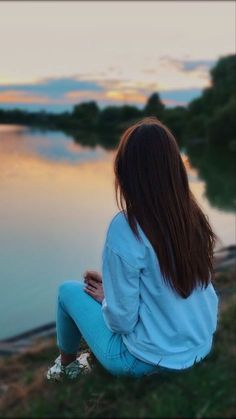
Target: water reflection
54,146
216,166
107,139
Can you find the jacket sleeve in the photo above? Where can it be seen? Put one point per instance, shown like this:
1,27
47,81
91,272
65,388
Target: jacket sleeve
120,305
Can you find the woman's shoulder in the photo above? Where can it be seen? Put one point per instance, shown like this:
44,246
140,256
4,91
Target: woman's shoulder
118,228
121,238
117,221
119,225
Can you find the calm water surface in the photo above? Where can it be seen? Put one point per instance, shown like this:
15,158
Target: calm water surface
56,200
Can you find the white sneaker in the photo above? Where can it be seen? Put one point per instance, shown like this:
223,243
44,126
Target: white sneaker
84,364
71,371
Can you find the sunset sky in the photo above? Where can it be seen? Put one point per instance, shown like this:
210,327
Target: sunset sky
56,54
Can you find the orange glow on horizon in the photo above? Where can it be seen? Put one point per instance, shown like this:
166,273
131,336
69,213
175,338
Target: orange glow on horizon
131,96
15,96
115,96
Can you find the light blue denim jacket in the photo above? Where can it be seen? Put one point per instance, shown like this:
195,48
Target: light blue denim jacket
156,324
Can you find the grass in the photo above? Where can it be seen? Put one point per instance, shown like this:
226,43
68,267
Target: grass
205,391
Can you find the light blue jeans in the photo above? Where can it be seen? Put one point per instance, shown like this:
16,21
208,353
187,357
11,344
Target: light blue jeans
78,314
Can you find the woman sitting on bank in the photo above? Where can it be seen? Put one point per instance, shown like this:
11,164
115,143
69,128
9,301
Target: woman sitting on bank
153,307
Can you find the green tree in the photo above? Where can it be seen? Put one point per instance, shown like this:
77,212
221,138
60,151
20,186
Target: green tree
87,114
223,77
129,113
110,117
174,118
211,116
222,126
195,128
154,106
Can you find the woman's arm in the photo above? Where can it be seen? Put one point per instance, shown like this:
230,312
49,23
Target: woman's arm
120,306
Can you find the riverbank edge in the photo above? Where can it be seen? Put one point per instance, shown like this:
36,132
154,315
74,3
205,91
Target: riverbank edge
21,342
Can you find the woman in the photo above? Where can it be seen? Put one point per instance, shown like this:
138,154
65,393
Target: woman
154,307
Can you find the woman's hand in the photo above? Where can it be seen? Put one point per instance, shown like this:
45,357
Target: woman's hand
92,275
94,288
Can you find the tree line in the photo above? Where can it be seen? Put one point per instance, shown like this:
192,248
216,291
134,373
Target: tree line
209,119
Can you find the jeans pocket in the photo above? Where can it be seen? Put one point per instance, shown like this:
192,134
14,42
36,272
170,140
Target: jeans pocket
129,360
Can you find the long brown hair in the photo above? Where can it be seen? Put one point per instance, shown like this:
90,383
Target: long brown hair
152,189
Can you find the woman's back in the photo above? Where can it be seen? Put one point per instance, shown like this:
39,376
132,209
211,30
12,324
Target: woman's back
157,324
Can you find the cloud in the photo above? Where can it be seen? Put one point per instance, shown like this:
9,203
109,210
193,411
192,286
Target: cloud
187,65
59,94
75,96
71,90
113,96
54,88
192,65
51,92
128,96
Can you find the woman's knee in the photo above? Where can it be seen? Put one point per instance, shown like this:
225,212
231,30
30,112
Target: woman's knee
68,287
